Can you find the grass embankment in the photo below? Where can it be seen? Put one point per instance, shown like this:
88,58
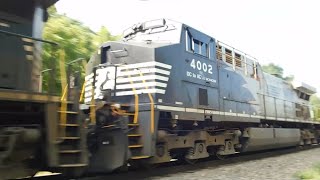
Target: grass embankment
310,174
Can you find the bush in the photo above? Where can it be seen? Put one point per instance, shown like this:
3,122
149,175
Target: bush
310,174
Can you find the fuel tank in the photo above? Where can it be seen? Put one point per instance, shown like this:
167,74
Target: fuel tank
270,138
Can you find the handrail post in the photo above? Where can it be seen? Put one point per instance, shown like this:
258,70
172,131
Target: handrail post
52,65
151,105
76,75
69,82
233,60
41,79
92,107
84,64
136,99
64,90
92,102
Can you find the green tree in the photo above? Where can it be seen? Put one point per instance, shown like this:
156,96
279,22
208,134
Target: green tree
77,40
277,71
103,35
273,69
315,103
289,78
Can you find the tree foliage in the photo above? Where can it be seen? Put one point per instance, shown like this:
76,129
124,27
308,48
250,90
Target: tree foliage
77,40
273,69
277,71
103,35
315,103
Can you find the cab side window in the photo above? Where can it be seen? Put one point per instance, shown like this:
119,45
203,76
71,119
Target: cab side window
189,41
197,46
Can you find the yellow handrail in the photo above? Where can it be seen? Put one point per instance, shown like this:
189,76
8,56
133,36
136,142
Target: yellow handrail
151,105
63,75
136,100
64,93
82,91
64,89
92,106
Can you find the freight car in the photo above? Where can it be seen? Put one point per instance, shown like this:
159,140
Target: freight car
28,117
168,91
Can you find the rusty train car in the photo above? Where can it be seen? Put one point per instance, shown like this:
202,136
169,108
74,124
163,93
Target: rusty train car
166,91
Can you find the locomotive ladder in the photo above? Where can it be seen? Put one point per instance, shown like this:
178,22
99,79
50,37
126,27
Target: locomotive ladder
71,141
135,136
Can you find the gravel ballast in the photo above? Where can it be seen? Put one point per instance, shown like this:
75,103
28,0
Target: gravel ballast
279,167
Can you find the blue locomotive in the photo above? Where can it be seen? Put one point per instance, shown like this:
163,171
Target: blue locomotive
168,91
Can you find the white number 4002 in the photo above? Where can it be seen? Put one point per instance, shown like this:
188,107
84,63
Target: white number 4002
201,66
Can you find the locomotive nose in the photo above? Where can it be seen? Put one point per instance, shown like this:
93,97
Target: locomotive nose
100,83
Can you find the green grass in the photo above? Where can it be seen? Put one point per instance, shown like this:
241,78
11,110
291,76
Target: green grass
310,174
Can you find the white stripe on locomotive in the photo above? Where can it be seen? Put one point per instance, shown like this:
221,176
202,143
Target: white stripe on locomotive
124,83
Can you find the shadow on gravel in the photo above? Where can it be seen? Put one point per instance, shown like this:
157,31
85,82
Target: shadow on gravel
167,169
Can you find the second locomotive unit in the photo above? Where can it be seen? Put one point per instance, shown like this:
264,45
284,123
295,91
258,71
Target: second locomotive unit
168,91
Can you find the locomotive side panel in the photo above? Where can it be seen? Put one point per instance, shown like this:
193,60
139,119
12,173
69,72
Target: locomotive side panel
16,49
282,101
239,94
193,79
12,52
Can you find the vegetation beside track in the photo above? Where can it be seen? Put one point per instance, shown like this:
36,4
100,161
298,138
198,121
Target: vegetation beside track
310,174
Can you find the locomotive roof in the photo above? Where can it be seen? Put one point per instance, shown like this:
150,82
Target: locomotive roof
143,26
160,23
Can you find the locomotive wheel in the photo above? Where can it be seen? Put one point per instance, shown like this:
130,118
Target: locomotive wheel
191,161
221,157
142,165
73,172
150,166
123,168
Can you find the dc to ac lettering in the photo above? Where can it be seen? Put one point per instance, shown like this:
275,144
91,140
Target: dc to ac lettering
201,77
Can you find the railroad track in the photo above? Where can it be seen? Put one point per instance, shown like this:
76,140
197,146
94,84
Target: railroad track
178,167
